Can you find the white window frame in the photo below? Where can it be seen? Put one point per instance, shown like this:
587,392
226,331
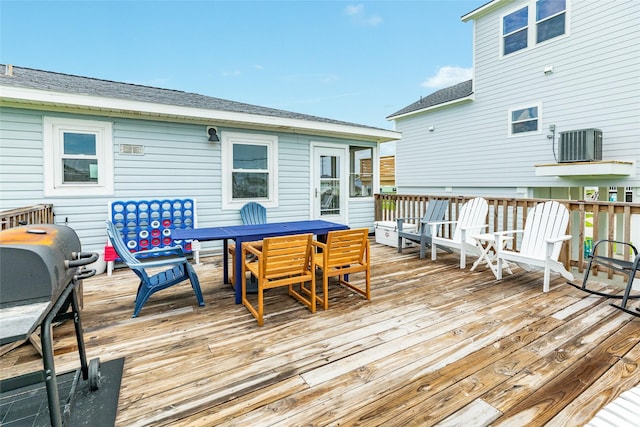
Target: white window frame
536,22
537,105
532,27
54,129
228,140
527,28
374,172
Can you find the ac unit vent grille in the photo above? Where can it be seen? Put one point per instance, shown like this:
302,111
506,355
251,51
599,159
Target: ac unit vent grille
584,145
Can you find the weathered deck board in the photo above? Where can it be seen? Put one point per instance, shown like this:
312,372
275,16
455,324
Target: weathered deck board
436,344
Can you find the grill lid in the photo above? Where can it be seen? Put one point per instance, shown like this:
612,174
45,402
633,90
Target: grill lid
37,262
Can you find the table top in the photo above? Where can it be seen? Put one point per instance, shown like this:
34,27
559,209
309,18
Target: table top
271,229
489,237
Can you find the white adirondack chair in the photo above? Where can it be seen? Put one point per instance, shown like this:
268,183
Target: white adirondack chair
471,221
542,238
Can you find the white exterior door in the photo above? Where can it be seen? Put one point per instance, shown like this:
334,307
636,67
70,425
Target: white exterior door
329,186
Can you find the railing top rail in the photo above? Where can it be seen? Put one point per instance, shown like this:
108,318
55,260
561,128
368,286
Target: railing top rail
22,211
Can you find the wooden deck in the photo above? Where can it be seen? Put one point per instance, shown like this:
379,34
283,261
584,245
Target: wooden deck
434,345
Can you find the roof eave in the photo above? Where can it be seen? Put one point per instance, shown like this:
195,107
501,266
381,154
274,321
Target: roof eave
166,111
482,10
466,99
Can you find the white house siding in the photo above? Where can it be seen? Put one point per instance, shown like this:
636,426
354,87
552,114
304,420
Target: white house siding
21,158
595,84
293,180
361,213
178,162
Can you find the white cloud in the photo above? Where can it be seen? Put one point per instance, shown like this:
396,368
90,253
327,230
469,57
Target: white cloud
447,76
354,9
358,16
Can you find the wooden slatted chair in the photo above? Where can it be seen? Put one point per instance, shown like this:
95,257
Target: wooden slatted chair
345,252
179,269
250,213
471,221
282,261
422,235
542,238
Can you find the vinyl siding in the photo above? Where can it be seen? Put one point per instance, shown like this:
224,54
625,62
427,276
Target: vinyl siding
361,213
21,158
595,84
177,163
293,180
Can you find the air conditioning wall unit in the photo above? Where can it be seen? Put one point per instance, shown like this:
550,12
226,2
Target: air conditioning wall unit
584,145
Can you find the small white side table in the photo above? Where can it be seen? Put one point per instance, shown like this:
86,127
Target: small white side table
487,242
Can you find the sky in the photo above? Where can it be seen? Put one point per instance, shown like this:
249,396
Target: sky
357,61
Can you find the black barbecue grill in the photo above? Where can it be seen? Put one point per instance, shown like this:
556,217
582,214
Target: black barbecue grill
41,268
38,261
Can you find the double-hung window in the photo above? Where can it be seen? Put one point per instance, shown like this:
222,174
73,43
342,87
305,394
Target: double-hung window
524,120
78,157
515,31
522,28
249,169
550,19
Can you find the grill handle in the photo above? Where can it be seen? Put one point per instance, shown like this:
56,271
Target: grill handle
84,274
83,258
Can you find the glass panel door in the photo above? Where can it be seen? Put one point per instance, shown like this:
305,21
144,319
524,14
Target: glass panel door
329,185
329,192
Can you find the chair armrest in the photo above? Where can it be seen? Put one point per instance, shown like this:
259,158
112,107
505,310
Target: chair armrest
173,250
559,239
400,221
159,263
441,222
435,226
475,226
320,245
619,242
405,218
248,248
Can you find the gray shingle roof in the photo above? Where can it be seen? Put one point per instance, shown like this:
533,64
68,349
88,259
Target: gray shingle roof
451,93
66,83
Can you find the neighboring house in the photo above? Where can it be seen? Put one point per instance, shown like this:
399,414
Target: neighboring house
542,70
81,143
387,174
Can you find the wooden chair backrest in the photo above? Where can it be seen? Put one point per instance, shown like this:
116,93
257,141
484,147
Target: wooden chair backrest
473,215
547,220
347,247
286,256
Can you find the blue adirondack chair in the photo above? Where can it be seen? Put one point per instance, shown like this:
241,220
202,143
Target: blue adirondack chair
250,213
179,269
253,213
435,212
